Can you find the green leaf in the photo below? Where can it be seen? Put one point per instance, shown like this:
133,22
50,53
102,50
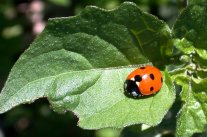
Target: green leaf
130,111
186,29
196,2
108,132
190,34
193,116
80,64
61,2
185,46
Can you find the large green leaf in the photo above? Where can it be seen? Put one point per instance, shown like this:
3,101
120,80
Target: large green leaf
80,64
190,33
191,29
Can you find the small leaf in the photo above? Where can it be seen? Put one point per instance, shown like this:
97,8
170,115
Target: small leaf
185,46
193,116
80,64
61,2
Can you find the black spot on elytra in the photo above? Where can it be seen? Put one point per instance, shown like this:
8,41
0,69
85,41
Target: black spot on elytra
151,88
161,80
142,67
138,78
152,76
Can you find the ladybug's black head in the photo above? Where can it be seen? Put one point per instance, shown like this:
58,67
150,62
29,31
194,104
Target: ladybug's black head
131,89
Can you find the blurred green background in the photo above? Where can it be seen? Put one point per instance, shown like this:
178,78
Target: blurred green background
20,22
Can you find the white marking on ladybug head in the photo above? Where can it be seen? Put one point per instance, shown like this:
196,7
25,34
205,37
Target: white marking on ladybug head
133,79
137,84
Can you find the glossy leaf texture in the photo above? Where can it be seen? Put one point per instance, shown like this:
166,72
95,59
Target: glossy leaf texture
190,38
80,64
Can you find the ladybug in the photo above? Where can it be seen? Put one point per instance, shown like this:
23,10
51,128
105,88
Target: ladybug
143,81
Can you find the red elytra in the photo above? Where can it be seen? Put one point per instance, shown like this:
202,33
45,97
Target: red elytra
143,81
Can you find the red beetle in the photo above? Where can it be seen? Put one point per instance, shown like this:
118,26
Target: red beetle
143,81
